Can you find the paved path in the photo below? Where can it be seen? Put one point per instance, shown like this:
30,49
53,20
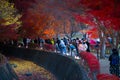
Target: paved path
104,65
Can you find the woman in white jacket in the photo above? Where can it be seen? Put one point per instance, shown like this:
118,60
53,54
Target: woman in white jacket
82,46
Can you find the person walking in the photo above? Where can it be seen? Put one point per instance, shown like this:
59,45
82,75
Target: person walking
63,47
114,62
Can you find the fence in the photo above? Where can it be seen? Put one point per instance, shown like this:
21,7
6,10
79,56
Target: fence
62,67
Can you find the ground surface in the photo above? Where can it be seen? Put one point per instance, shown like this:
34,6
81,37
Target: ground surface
27,70
24,68
104,64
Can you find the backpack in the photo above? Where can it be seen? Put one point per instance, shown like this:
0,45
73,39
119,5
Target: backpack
115,60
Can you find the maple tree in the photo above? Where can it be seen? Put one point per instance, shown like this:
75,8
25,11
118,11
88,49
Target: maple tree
92,33
104,15
50,33
67,8
34,26
9,21
25,4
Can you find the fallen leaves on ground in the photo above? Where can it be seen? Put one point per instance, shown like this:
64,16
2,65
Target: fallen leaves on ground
27,70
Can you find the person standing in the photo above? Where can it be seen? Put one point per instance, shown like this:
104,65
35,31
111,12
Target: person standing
25,42
88,45
57,44
119,49
63,47
82,46
114,62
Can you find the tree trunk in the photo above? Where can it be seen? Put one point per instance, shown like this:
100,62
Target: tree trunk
102,48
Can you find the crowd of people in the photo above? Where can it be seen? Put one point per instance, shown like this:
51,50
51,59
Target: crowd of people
73,47
63,46
66,46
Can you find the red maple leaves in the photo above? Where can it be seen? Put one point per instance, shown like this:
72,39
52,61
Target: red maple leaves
104,10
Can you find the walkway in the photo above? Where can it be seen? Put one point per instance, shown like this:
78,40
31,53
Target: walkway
104,65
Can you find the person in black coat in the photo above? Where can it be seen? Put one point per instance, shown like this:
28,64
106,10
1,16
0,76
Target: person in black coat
114,62
88,48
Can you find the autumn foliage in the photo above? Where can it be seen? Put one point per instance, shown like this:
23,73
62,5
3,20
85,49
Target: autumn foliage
9,21
33,24
104,10
8,32
47,18
25,4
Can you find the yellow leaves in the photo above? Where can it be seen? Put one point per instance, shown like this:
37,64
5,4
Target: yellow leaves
9,20
7,12
6,9
23,67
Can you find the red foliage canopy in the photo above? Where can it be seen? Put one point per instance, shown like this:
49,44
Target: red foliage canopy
23,5
33,24
8,32
85,19
104,10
